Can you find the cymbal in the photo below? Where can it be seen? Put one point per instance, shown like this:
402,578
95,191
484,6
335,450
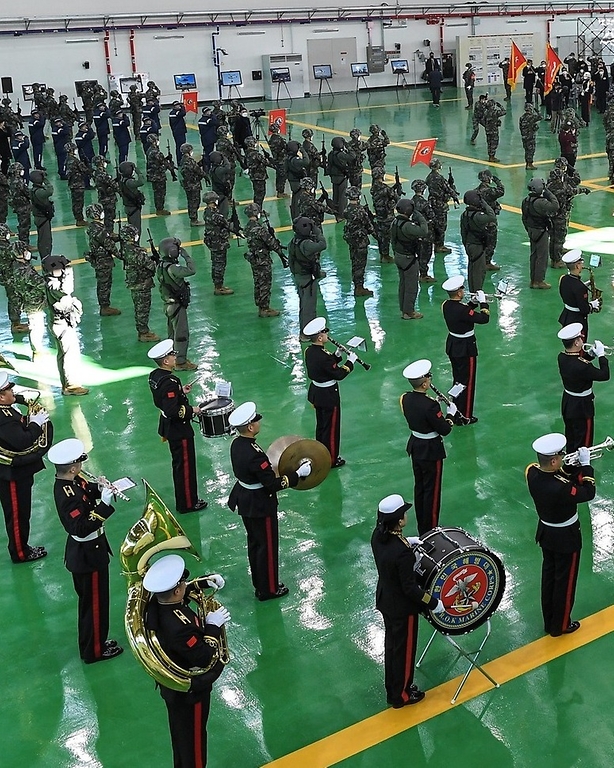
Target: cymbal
277,447
301,449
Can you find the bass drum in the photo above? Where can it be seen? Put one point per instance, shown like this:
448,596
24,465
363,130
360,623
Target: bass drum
461,572
214,415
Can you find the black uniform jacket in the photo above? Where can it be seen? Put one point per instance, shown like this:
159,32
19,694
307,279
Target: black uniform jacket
461,318
17,435
170,399
423,414
323,366
578,375
556,496
575,294
398,593
251,466
81,516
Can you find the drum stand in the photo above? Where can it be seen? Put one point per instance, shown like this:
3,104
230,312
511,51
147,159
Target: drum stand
471,656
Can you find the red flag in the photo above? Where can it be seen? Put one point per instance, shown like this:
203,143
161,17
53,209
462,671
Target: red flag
278,117
190,101
553,64
517,64
423,151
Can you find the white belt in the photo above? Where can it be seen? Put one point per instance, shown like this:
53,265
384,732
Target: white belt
571,521
462,335
250,486
571,309
330,383
98,532
580,394
425,435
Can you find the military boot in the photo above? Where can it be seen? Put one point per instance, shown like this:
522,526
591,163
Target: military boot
80,223
222,290
20,327
108,311
75,390
268,312
386,259
148,336
187,366
163,212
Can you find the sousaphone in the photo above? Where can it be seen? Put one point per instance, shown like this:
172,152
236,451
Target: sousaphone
287,453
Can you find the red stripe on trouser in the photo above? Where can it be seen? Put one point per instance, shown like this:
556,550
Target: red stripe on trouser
570,585
198,739
436,495
186,475
269,556
96,615
470,388
409,655
588,435
334,448
15,520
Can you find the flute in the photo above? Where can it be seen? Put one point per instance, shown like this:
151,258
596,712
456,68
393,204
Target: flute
105,484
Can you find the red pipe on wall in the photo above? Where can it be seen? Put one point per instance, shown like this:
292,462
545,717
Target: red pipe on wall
132,52
107,53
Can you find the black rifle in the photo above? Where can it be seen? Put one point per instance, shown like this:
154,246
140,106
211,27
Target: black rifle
268,158
235,224
398,187
155,253
452,186
324,157
278,247
369,212
170,161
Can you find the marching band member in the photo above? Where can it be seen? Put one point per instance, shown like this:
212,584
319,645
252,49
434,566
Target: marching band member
574,293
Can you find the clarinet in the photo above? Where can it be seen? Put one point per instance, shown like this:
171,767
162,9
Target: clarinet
348,351
440,396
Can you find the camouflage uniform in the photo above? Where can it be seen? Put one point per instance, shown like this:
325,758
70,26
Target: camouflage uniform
67,114
385,199
339,165
192,176
356,233
277,145
311,151
157,166
19,198
224,145
4,198
564,187
357,148
474,220
29,287
216,237
376,146
608,125
116,103
490,190
260,243
440,192
175,293
6,269
491,123
107,189
306,203
425,244
407,228
101,255
135,102
528,124
256,168
77,173
222,179
477,117
140,268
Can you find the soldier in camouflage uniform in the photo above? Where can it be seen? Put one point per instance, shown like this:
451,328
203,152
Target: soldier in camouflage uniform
385,199
222,180
28,286
68,115
87,101
440,192
339,166
569,115
4,198
297,166
130,182
260,243
311,151
306,203
491,121
43,210
107,189
477,116
277,145
116,103
357,148
408,227
608,125
157,168
219,113
256,168
376,146
217,239
490,190
529,125
135,102
101,254
564,186
425,244
192,176
19,198
140,268
77,173
356,233
6,270
225,146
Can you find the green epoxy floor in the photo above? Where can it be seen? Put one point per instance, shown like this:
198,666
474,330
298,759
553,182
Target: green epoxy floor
311,664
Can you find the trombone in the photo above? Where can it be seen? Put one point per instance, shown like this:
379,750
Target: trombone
595,451
609,351
102,481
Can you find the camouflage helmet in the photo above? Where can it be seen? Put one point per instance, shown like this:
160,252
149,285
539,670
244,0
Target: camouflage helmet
273,128
561,162
216,158
169,247
252,210
210,197
128,233
21,249
15,168
355,133
5,232
70,146
435,164
94,211
114,93
405,207
353,193
221,131
307,183
418,186
374,129
63,97
338,142
37,176
250,141
152,138
51,263
99,160
126,168
536,186
307,133
185,149
485,175
377,172
472,198
292,147
302,226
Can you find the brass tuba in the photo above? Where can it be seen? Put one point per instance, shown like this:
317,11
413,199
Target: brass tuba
158,531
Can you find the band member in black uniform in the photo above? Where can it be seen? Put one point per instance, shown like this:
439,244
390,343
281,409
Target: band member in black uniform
30,438
325,370
399,598
425,444
83,508
578,374
254,497
461,345
188,644
574,293
556,492
170,397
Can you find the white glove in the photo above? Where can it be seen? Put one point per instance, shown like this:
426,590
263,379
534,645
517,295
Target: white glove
218,617
64,304
106,496
599,348
40,418
584,456
304,470
451,410
338,353
594,304
217,580
352,357
439,608
414,540
481,297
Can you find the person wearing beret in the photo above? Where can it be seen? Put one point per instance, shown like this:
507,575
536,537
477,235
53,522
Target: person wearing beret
556,491
254,497
23,443
175,427
83,508
399,598
190,644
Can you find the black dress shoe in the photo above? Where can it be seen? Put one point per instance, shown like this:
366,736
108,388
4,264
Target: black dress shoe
573,626
415,695
34,553
338,463
110,652
200,504
110,644
282,591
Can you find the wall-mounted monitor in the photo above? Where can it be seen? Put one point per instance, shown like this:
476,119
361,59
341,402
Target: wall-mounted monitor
28,91
399,66
185,82
280,75
231,78
360,70
322,71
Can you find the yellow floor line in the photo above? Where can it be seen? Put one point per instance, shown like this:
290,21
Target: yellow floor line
378,728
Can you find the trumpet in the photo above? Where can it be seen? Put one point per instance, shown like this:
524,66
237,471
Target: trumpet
446,400
595,451
348,351
105,484
609,351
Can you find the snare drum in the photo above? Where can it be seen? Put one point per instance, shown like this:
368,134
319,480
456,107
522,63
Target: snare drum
213,417
461,572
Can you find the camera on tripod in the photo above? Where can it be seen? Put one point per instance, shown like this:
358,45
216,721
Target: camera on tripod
258,113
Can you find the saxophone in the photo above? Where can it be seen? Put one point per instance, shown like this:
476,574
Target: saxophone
41,445
595,292
159,531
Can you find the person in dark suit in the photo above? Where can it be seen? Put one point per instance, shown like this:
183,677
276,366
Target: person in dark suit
556,491
83,508
170,397
36,128
254,497
399,598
